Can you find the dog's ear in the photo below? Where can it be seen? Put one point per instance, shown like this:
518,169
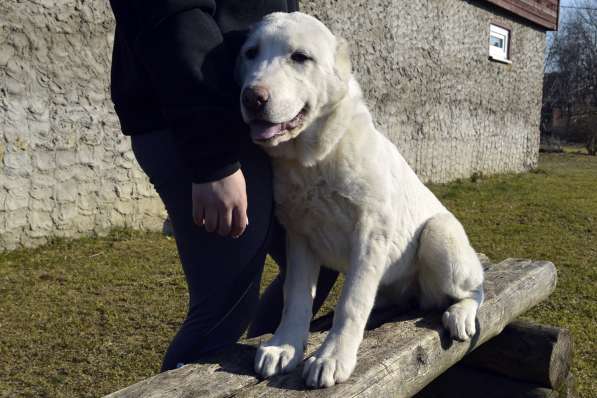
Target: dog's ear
343,64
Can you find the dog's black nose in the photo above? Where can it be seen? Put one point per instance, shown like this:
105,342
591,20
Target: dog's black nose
254,98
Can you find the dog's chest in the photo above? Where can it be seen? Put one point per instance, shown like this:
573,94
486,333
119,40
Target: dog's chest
313,203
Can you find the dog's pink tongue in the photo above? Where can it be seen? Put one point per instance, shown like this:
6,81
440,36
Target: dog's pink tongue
264,131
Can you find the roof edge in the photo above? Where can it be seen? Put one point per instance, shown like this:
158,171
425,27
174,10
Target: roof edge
540,12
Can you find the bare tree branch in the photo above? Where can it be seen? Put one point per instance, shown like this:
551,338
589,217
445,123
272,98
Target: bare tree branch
570,84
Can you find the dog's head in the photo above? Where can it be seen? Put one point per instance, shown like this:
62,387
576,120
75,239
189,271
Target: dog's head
292,69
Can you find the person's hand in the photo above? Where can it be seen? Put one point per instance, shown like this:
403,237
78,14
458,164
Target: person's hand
221,206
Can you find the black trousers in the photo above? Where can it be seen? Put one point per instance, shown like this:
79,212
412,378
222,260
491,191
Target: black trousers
223,274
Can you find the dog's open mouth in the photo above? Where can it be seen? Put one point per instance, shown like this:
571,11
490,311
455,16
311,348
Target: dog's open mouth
262,130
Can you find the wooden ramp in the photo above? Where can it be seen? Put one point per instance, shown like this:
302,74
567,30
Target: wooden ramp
396,359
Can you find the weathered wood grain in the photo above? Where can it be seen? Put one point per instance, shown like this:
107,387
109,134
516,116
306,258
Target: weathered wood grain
528,352
227,372
396,359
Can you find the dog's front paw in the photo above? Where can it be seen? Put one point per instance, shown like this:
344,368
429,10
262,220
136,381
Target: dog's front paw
273,359
325,371
459,319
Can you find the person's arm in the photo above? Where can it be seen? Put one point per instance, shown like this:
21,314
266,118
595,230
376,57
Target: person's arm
182,50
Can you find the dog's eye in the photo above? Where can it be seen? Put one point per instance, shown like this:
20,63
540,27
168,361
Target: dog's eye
251,53
300,57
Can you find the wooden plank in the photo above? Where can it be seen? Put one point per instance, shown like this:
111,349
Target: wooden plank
396,359
545,13
528,352
547,7
214,377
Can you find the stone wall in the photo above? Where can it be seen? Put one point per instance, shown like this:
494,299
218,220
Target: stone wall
425,72
66,170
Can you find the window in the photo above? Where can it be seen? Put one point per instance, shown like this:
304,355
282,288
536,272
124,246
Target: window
499,43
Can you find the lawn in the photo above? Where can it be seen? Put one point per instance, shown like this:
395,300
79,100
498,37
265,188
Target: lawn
87,317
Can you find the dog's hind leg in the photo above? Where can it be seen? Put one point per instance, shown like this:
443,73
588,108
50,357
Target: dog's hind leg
449,271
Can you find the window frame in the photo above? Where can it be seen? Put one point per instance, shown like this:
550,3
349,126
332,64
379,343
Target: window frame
497,53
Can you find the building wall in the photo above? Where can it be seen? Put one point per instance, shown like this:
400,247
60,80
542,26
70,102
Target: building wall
66,170
424,70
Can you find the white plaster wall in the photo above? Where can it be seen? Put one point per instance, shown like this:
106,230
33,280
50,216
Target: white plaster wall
67,171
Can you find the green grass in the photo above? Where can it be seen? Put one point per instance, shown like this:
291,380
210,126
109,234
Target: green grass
577,149
87,317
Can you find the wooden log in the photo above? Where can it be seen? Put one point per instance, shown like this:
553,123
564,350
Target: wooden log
397,359
528,352
464,382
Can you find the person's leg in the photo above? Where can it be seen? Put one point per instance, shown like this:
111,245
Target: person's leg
222,274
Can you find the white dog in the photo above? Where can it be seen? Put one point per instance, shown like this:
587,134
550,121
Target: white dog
348,200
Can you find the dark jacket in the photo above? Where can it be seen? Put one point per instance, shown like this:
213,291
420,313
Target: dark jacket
172,67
